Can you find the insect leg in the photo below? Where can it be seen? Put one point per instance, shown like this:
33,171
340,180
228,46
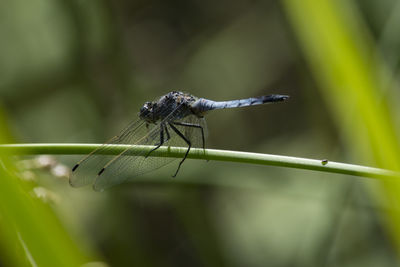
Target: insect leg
187,142
195,126
162,127
168,136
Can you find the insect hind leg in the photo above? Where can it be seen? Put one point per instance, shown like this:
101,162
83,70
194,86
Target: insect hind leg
186,124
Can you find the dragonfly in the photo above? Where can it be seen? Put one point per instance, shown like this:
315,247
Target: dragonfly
175,119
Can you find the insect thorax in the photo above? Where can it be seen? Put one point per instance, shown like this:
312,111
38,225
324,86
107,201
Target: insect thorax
173,106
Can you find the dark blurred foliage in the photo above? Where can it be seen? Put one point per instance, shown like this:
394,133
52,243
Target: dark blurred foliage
78,71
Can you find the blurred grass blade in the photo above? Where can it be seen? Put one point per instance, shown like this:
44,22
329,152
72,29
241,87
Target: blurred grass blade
31,234
343,60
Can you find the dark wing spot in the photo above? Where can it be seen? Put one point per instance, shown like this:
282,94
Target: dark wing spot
75,167
101,171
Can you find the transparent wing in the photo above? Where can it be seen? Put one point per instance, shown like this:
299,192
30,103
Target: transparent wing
86,170
127,167
107,170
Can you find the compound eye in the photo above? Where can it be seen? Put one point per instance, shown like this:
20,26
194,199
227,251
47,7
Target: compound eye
145,109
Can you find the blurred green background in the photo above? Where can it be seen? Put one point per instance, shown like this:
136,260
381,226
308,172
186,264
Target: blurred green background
78,71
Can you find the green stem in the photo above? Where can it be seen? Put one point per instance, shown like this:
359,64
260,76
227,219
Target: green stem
322,165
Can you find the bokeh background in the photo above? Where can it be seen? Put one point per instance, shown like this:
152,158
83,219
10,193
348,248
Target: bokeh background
74,71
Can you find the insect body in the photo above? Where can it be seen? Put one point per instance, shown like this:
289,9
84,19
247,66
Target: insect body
175,119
